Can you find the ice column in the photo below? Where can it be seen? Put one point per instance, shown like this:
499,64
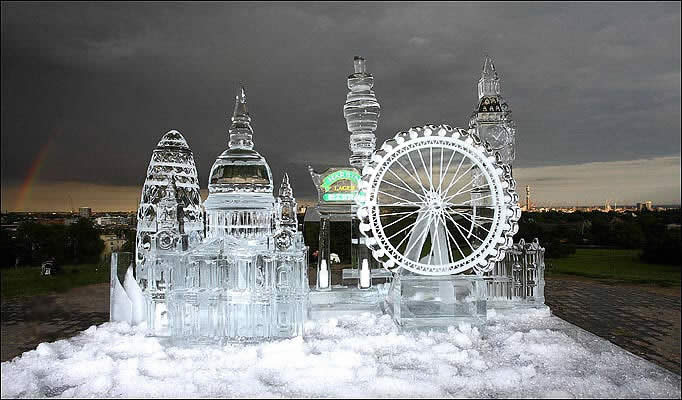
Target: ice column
362,114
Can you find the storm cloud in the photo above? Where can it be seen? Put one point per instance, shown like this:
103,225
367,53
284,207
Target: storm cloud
95,85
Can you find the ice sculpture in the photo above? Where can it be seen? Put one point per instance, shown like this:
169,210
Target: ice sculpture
362,114
518,280
120,306
492,120
137,301
248,279
171,160
420,221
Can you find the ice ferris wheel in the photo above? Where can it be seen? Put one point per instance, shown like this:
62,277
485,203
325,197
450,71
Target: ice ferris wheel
435,200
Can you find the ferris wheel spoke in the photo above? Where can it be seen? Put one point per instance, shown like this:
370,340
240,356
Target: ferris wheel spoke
440,170
460,232
406,236
426,169
470,219
401,218
448,198
463,235
447,241
406,188
411,176
399,198
468,201
473,178
399,204
416,174
453,181
403,230
421,236
396,213
454,240
435,240
447,167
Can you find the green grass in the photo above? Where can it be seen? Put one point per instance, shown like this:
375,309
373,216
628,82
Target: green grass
615,264
26,281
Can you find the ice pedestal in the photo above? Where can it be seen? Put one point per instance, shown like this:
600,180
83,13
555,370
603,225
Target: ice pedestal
416,301
342,300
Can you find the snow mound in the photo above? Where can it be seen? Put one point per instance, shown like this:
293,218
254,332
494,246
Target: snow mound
532,355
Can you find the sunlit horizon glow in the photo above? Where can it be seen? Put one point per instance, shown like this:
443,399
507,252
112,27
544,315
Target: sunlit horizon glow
588,184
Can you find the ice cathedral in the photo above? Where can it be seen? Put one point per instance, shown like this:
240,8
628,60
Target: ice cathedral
245,277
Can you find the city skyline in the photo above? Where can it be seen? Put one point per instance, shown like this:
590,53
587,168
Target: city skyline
596,97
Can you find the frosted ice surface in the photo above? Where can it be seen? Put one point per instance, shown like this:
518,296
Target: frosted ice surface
121,308
533,355
136,297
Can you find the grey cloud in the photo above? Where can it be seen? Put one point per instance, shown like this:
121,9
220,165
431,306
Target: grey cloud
586,82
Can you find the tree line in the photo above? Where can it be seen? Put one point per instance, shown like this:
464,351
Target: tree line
34,243
656,233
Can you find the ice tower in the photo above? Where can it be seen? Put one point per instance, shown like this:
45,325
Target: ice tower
169,216
248,279
362,114
492,118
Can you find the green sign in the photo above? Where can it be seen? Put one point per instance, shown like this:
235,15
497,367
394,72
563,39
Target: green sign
338,196
332,178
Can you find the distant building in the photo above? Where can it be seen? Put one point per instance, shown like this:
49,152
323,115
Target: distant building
646,206
112,243
112,220
85,212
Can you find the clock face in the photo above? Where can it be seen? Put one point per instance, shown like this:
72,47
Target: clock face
283,240
165,240
497,136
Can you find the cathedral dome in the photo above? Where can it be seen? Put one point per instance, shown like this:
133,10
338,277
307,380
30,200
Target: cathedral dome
240,176
240,170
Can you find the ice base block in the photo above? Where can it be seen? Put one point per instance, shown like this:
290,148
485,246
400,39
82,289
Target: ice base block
420,301
342,300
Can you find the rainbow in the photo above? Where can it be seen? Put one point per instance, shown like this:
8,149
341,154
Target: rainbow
31,175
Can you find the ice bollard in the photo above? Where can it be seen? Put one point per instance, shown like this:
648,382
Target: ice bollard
365,276
323,276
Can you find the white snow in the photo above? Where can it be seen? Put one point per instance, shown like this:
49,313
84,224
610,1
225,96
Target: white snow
529,355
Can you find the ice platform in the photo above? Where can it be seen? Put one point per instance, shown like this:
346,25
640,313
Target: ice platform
422,301
342,300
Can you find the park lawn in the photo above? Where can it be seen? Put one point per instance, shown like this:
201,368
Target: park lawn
27,281
615,264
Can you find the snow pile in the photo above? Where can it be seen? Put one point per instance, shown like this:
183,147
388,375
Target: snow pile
534,355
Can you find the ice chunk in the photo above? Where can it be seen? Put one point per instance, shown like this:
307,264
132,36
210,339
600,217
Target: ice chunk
136,297
121,307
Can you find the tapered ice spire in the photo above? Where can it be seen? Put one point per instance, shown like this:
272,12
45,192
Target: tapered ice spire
362,114
285,190
489,84
241,133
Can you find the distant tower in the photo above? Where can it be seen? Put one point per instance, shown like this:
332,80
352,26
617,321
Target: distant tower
492,118
528,204
362,114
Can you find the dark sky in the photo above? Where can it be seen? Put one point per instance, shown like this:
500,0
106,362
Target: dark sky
96,85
